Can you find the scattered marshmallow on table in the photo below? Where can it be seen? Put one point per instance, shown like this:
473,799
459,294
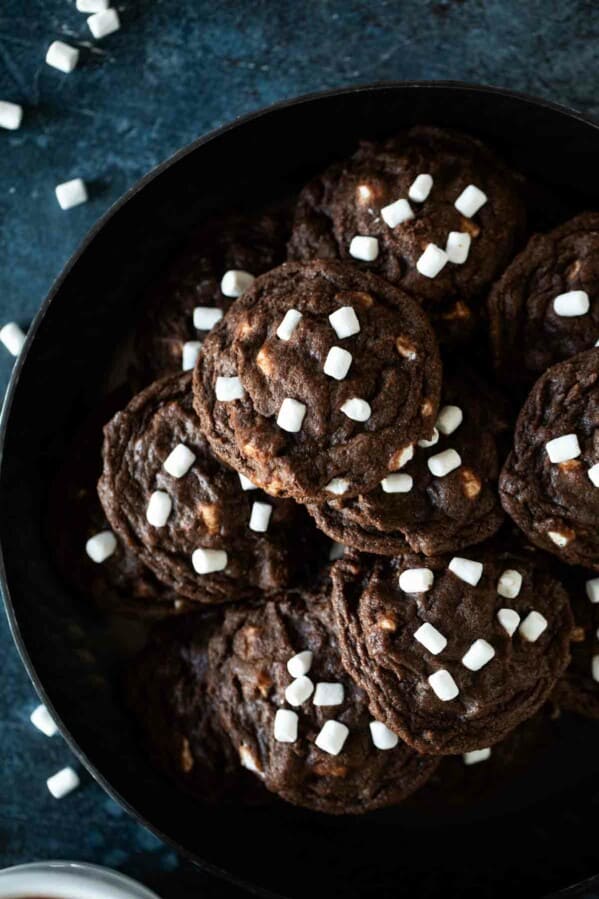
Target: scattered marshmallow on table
91,6
396,213
234,282
344,322
593,474
159,509
467,570
364,248
285,727
71,193
41,718
382,737
476,756
444,463
206,561
572,303
470,201
443,685
449,419
62,56
246,484
420,188
63,782
260,517
300,663
179,461
11,115
337,363
13,338
431,638
397,483
479,654
332,737
104,23
356,409
416,580
205,317
509,619
592,589
289,323
227,390
457,247
509,584
299,691
327,694
101,546
533,626
432,261
291,415
562,449
190,353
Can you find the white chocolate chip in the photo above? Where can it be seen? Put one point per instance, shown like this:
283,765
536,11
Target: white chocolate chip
285,728
366,249
228,390
205,561
468,571
572,303
336,551
291,415
246,484
337,363
300,664
396,213
63,782
11,115
90,6
476,756
397,483
103,23
344,322
449,419
356,409
364,193
260,517
13,338
420,188
332,737
159,508
509,584
562,449
533,626
593,471
432,261
458,247
190,354
509,620
235,282
443,685
425,444
289,323
71,193
338,486
406,455
179,461
444,463
249,761
62,56
416,580
101,546
431,638
206,317
329,694
382,737
479,654
299,691
595,667
558,538
41,718
592,589
470,201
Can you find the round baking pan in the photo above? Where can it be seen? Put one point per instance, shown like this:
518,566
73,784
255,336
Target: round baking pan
535,836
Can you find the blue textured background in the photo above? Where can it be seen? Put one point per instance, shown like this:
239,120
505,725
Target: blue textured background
177,69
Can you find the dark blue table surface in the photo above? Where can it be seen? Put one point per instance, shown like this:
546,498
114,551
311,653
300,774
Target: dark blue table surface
177,69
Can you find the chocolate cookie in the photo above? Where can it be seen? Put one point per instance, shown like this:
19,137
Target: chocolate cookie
452,653
550,482
296,717
318,381
578,689
189,300
445,497
183,514
435,212
545,307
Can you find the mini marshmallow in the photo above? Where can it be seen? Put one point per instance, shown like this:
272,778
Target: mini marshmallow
396,213
71,193
159,508
425,444
11,115
205,561
572,303
449,419
91,6
443,685
420,188
344,322
329,694
337,363
476,756
562,449
470,201
246,484
13,338
444,463
593,471
260,517
190,353
62,56
338,486
63,782
366,249
595,667
432,261
558,538
336,551
479,654
509,584
179,461
289,323
300,664
468,571
397,483
299,691
104,23
592,589
533,626
356,409
457,247
332,737
416,580
406,455
285,729
235,282
205,317
101,546
291,415
382,737
228,390
431,638
41,718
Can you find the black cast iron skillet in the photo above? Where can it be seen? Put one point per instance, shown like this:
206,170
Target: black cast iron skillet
541,833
